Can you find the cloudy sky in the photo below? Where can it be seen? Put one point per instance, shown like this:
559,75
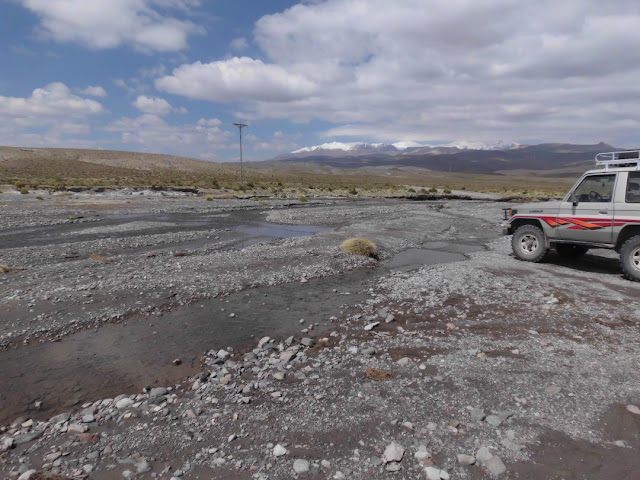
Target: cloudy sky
171,76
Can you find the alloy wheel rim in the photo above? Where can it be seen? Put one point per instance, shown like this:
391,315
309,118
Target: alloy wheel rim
635,258
529,244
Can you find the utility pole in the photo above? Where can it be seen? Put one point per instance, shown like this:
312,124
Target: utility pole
240,127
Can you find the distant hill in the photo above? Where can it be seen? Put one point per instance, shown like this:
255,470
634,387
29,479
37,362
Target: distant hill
487,159
54,166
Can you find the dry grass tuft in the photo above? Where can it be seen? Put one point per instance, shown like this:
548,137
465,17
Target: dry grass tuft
8,269
379,375
100,258
360,246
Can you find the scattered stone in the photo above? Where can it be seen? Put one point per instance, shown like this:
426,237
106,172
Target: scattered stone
27,437
478,414
143,467
157,392
633,409
493,420
495,466
27,475
279,451
63,417
369,351
422,453
466,460
511,445
553,389
371,326
404,361
436,474
308,342
393,453
389,319
300,466
483,455
176,362
124,403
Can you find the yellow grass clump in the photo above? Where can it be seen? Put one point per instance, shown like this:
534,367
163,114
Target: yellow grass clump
7,269
100,258
360,246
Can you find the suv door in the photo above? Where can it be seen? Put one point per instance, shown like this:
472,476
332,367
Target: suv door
586,215
627,204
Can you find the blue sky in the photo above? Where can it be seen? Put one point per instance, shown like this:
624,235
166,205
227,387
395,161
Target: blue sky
171,76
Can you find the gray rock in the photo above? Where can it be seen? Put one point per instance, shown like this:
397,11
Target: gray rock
157,392
339,476
308,342
511,445
478,414
27,437
633,409
483,455
77,428
389,319
88,419
393,453
404,361
369,351
124,403
495,466
279,451
27,475
383,312
63,417
493,420
436,474
300,466
466,460
553,390
393,467
143,466
371,326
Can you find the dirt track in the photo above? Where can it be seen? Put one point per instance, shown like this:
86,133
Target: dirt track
538,363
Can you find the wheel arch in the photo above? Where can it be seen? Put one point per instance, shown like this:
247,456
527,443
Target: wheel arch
519,222
625,234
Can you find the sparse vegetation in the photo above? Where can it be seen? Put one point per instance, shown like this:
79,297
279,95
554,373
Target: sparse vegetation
209,198
24,190
302,198
8,269
100,258
360,246
433,190
39,197
446,191
378,374
353,191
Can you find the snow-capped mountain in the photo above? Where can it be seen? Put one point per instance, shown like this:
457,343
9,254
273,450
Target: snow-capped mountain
334,149
460,156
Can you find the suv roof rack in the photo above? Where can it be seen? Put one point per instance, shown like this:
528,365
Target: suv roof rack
624,159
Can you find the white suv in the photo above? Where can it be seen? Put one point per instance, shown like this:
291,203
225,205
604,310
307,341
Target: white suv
601,211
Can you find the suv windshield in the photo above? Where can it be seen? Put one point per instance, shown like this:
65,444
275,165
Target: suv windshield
595,188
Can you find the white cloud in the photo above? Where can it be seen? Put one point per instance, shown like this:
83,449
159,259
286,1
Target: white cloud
153,133
239,44
52,115
437,70
100,24
154,105
236,79
53,101
94,91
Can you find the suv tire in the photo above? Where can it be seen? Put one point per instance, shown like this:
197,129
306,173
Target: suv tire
529,243
566,250
630,258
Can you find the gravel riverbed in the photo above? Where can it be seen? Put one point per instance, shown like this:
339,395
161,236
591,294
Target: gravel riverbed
447,358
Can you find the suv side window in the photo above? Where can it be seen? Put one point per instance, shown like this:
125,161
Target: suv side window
633,188
595,188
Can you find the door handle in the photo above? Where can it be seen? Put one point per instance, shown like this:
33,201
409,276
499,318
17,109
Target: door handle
604,211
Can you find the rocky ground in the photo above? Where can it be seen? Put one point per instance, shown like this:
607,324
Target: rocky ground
410,367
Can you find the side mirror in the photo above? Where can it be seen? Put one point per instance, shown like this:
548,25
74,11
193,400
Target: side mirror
574,199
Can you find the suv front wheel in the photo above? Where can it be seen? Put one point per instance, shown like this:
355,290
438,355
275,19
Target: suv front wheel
529,244
630,258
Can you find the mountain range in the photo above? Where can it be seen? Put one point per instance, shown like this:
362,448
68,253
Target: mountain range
464,157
